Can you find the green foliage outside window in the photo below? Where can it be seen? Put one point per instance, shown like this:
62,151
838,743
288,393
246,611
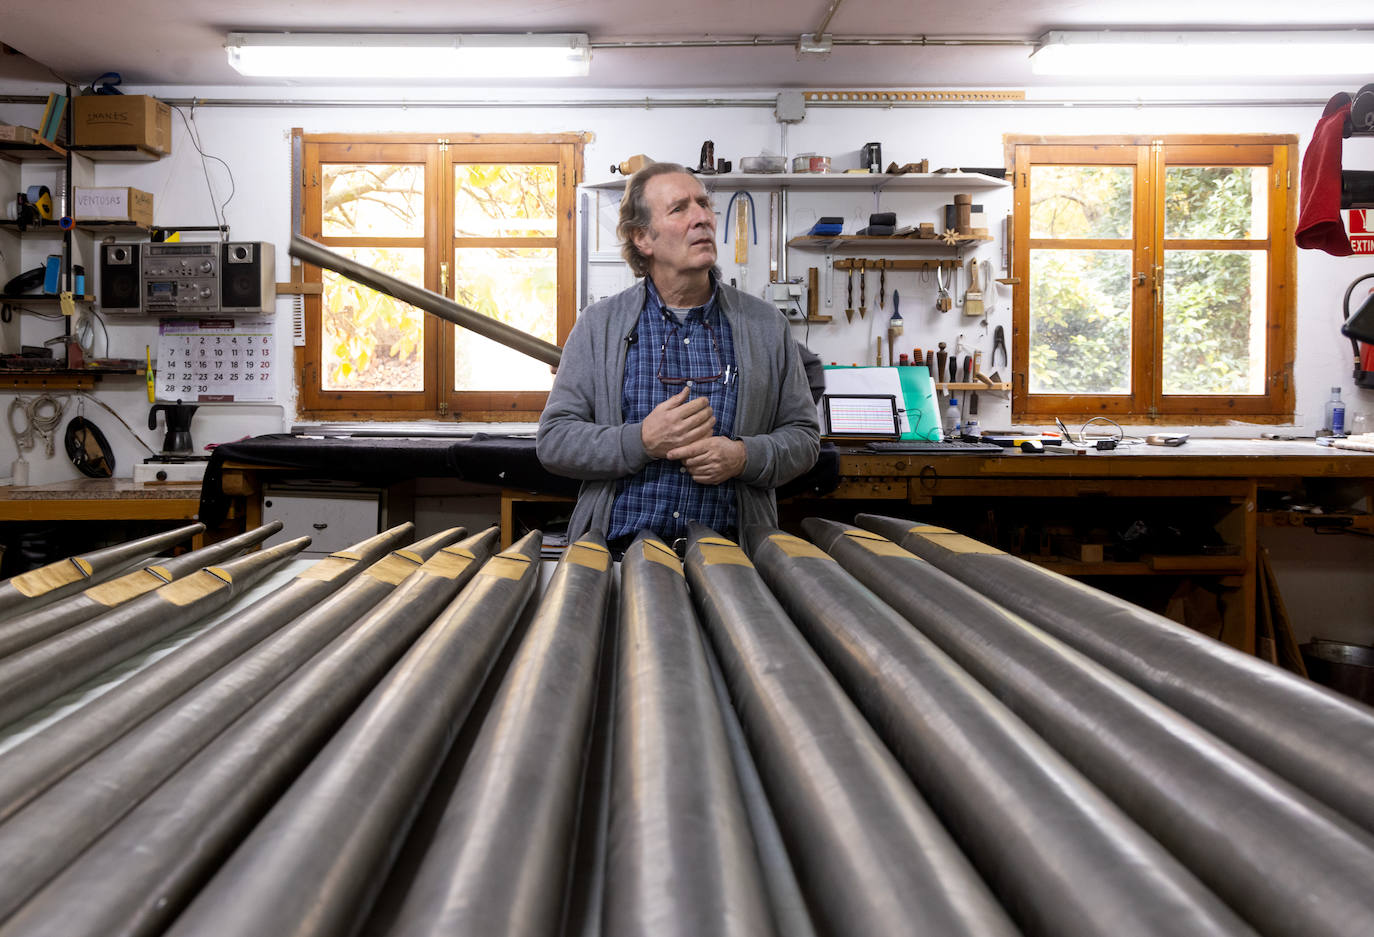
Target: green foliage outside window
1080,299
374,342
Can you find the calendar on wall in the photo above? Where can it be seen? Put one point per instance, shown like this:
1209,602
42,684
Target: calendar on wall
219,360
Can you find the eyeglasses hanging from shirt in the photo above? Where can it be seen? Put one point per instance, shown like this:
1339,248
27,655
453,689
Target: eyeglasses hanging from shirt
671,374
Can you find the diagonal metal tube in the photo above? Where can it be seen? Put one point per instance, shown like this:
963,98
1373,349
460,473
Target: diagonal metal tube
40,674
138,876
1264,711
1229,819
316,253
1062,858
317,860
27,628
869,853
36,588
497,863
667,823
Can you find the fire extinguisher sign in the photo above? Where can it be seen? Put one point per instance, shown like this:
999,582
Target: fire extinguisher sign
1362,231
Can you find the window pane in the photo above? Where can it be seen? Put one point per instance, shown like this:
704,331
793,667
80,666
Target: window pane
504,200
1081,201
1080,322
371,341
373,200
518,287
1216,202
1214,340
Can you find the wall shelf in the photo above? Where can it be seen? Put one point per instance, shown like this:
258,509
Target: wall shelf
43,227
58,378
51,229
873,182
18,299
867,244
973,385
39,150
126,153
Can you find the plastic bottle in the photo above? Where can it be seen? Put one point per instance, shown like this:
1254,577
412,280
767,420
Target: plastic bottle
1334,423
952,416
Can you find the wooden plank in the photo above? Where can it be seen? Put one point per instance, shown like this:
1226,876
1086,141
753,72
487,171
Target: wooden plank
1195,564
938,484
862,488
1281,626
299,289
100,509
1264,625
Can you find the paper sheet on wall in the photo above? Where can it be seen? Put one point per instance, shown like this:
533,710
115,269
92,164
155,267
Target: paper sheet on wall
216,360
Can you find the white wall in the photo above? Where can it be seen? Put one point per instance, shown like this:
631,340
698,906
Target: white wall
254,141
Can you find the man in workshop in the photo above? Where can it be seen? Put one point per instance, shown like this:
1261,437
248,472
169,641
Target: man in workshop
680,399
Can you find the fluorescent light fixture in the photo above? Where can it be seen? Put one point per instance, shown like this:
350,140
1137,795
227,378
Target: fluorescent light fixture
1235,53
410,55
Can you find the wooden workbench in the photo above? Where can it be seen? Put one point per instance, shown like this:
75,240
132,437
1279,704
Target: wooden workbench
1219,479
99,499
1216,480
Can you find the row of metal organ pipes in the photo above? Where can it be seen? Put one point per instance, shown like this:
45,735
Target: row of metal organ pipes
881,729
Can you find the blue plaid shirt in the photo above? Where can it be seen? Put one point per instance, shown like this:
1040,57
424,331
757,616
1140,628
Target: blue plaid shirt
662,496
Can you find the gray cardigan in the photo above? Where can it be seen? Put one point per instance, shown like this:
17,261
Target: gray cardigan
582,433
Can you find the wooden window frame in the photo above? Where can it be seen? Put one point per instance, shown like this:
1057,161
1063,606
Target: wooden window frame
437,153
1151,156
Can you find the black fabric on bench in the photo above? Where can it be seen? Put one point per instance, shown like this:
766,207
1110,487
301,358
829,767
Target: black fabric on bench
500,461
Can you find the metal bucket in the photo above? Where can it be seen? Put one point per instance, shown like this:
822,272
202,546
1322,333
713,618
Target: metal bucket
1346,668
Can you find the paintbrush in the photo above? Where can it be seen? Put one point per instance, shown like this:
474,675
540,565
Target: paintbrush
894,326
973,299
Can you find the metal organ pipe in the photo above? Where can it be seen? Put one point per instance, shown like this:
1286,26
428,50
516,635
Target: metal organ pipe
144,870
870,854
74,810
315,253
36,588
1262,710
45,758
1230,820
497,864
315,862
40,674
668,824
1062,857
27,628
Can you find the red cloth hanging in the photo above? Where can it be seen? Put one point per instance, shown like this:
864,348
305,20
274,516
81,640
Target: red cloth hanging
1319,202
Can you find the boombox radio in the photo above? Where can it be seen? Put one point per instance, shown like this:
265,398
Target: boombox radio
187,279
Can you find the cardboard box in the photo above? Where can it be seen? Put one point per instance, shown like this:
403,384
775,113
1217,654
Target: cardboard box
121,120
9,133
112,203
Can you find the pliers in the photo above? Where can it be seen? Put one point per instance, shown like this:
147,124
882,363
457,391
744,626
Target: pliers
999,343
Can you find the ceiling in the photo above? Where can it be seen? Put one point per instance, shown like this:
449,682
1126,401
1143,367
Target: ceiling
161,43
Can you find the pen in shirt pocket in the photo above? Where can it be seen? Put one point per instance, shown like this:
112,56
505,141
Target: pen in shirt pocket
730,373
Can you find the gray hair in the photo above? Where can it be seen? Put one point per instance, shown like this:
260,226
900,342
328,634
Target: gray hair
635,214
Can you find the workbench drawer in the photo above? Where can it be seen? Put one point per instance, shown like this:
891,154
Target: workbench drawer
333,519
